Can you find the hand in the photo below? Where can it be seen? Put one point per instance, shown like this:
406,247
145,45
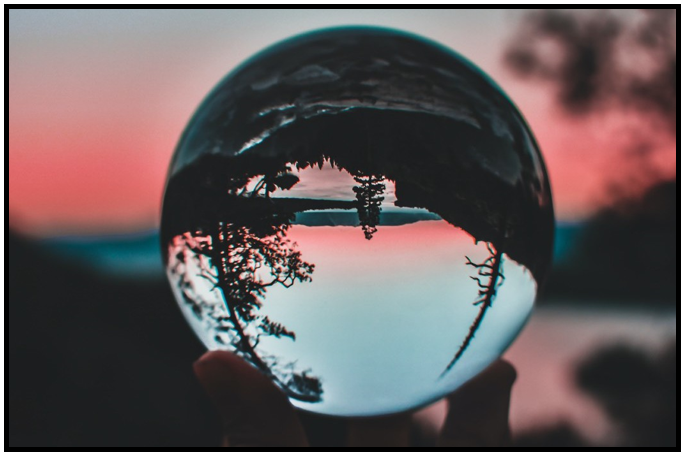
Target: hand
255,412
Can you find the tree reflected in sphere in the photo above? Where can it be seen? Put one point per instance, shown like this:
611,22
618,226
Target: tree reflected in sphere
361,214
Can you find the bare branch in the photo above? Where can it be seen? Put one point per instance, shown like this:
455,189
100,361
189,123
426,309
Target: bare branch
490,268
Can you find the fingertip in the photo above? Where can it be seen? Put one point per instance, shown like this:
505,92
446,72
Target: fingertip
213,356
226,366
214,369
499,375
225,374
254,410
503,370
479,409
218,358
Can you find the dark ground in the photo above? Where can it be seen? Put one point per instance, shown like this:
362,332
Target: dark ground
97,361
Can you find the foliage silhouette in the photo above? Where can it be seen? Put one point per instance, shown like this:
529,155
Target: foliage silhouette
490,270
230,259
591,72
237,233
241,253
369,195
592,77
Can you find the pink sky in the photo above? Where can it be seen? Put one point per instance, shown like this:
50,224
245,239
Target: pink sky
99,98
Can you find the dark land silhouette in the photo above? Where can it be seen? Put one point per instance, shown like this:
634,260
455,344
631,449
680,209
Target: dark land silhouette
98,361
380,102
626,254
427,173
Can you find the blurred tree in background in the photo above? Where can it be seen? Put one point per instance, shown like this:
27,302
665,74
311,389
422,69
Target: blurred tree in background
609,64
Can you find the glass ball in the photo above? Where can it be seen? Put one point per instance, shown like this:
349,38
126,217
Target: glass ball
361,214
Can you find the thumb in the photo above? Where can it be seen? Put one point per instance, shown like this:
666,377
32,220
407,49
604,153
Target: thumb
478,411
254,411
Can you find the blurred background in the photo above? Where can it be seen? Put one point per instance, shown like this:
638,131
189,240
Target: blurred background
99,353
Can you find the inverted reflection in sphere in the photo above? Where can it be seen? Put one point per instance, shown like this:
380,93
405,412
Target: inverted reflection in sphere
361,214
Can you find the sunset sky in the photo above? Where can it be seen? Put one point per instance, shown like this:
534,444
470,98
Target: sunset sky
98,100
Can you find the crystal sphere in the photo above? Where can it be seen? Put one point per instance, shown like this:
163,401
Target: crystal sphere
361,214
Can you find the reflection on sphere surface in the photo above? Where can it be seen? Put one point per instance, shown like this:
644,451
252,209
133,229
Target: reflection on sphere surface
362,215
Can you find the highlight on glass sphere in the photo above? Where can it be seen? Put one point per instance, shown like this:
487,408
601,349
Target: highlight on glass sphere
361,214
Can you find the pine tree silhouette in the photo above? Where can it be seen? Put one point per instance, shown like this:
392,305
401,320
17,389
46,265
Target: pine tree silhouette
490,270
369,196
